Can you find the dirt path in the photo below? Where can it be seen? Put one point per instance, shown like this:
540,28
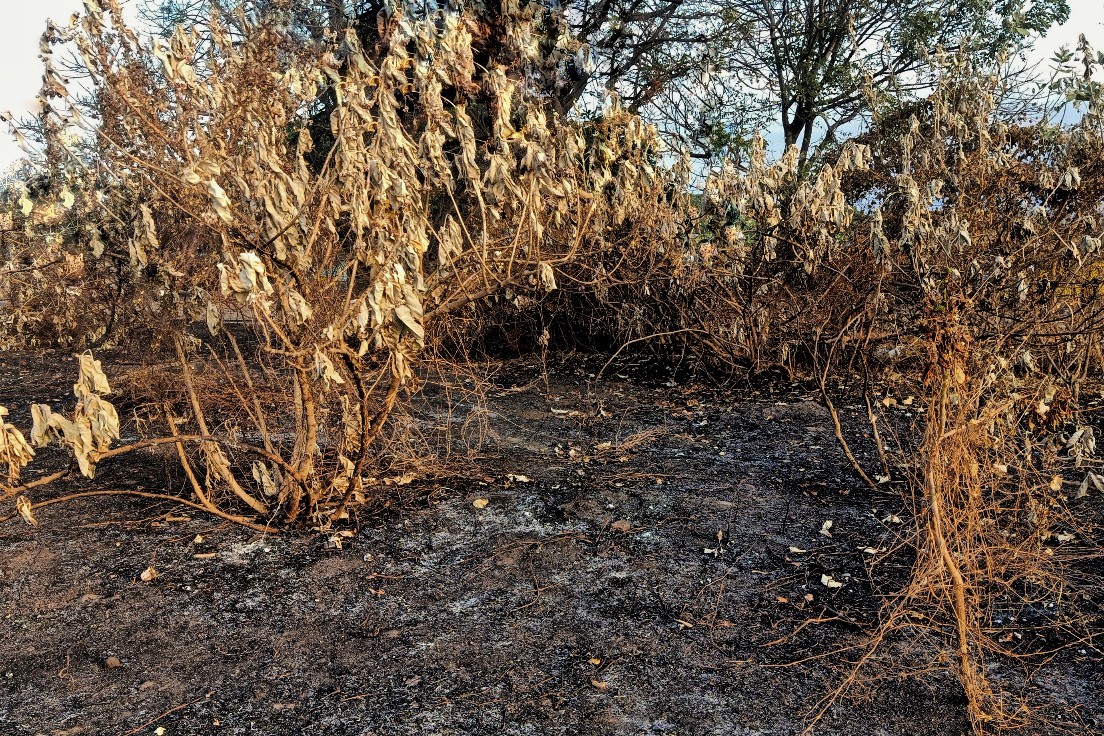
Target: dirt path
580,600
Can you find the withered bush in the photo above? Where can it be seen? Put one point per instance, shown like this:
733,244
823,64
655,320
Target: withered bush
442,184
297,230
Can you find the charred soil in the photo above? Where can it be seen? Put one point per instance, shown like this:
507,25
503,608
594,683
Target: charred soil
650,559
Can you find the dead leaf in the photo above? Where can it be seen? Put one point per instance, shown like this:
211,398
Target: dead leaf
480,503
830,582
547,276
595,661
23,506
599,685
148,574
1093,479
825,527
337,540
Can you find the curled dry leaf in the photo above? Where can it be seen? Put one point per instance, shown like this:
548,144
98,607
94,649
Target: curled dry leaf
15,453
219,201
547,277
23,506
263,478
1093,480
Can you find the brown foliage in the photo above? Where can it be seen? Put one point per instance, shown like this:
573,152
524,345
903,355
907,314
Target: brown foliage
294,297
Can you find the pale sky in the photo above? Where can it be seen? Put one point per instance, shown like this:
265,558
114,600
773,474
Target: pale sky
23,23
24,20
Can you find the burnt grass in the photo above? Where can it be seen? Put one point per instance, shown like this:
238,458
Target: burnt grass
633,572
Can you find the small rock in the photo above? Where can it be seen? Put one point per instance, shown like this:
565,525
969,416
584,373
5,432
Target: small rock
112,662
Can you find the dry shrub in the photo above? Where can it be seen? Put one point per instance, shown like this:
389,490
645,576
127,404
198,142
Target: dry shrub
442,184
985,240
305,232
1003,244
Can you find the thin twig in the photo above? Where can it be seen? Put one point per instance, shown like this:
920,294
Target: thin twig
155,719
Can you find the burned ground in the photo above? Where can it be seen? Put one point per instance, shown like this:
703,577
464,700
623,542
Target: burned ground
651,559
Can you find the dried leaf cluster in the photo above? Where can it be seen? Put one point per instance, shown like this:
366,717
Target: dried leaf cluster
304,226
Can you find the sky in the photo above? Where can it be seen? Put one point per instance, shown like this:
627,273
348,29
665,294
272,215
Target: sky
19,33
22,25
1087,17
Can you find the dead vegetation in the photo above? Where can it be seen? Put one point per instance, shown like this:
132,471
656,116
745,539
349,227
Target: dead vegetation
300,235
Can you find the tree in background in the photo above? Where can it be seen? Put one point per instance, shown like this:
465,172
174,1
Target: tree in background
825,61
709,73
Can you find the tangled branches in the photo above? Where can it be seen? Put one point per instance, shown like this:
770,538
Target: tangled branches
295,229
